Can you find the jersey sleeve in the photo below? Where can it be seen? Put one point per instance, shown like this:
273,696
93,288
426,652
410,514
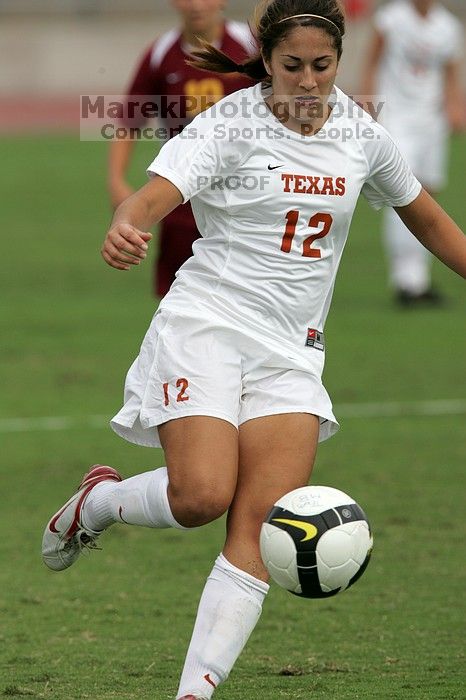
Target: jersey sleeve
390,181
208,148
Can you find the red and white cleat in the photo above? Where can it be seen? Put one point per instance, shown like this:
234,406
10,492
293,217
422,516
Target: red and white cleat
65,536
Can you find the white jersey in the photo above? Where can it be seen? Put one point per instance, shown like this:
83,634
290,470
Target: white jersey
274,209
417,50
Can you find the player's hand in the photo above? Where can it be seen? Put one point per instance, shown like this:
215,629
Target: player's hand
125,246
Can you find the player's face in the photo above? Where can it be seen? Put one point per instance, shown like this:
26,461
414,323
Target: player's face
199,15
303,68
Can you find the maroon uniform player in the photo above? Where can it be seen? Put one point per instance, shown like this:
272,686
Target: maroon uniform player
163,71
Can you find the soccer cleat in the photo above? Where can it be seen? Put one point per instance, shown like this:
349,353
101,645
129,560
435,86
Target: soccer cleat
431,297
191,697
65,536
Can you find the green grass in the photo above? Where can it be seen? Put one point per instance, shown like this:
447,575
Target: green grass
117,625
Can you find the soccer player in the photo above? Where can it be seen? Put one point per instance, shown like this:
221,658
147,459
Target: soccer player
413,63
163,71
228,378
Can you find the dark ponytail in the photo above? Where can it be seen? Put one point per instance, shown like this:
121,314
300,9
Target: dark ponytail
211,59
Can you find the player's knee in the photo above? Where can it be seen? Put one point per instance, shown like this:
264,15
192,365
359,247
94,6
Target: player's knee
199,506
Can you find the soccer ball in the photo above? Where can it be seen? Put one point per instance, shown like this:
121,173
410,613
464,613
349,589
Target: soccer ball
316,541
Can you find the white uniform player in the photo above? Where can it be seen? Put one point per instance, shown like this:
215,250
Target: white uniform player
419,48
228,379
274,209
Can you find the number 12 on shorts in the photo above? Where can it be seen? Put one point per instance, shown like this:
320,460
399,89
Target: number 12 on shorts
321,219
182,385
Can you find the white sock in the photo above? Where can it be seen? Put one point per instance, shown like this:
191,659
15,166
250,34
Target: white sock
409,262
229,609
139,500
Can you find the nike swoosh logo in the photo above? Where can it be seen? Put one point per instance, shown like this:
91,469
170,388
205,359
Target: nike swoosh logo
274,167
120,513
310,530
209,680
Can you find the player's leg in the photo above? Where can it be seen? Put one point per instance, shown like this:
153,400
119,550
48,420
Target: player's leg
196,487
409,263
187,381
276,455
202,464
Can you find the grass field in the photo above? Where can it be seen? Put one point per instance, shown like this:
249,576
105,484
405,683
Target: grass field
116,626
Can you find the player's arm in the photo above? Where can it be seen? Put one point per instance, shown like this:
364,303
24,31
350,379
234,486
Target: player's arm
126,241
455,101
118,163
432,226
371,67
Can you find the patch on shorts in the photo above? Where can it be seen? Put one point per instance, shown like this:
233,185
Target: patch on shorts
315,339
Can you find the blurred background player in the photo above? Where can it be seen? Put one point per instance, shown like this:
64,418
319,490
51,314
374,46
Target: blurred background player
413,64
163,71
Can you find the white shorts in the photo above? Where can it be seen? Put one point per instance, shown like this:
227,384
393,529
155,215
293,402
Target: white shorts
425,150
202,367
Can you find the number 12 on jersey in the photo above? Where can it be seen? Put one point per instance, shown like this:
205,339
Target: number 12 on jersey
317,220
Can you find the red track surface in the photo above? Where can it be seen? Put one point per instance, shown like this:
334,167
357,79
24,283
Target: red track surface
23,114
